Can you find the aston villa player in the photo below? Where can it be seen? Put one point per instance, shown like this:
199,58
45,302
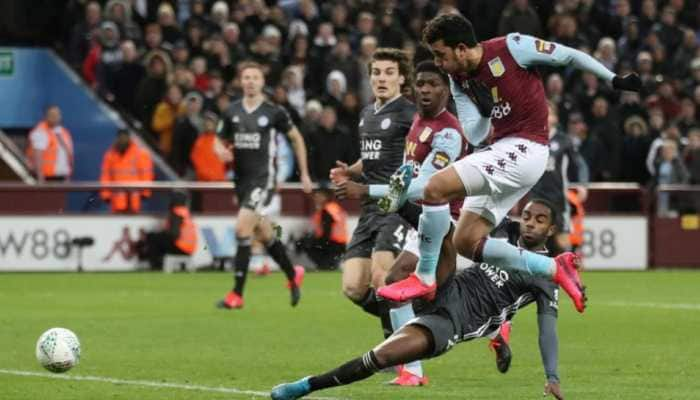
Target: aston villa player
494,85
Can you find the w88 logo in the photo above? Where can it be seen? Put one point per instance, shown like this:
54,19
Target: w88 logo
501,110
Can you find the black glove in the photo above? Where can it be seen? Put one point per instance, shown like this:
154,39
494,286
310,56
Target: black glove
629,82
480,95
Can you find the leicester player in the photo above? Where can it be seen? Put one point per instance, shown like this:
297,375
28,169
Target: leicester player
494,85
469,304
249,128
383,127
434,141
554,183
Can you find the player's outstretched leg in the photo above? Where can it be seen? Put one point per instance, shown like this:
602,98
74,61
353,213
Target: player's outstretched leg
234,298
295,274
562,269
410,374
433,225
410,343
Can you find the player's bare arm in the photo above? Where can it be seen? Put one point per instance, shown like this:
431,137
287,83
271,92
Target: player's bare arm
297,141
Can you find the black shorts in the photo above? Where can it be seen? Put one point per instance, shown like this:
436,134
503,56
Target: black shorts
449,320
254,195
377,232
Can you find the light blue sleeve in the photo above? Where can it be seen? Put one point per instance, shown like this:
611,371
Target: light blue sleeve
377,191
475,127
446,143
530,51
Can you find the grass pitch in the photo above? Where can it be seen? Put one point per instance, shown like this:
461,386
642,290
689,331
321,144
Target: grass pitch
637,340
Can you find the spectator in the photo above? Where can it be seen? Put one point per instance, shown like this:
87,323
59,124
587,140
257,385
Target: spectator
340,20
364,27
692,156
219,14
168,24
123,89
330,143
280,97
195,40
201,78
667,30
603,127
312,117
692,81
606,53
326,244
648,16
684,55
324,41
588,145
104,58
50,148
670,171
564,102
207,165
83,34
154,38
181,53
198,16
293,83
686,119
186,130
667,100
336,86
341,59
151,88
389,33
223,103
178,236
590,89
125,162
119,12
635,144
167,111
654,157
219,57
630,44
367,48
519,16
348,114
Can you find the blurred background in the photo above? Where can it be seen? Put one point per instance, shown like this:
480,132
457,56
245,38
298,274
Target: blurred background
140,76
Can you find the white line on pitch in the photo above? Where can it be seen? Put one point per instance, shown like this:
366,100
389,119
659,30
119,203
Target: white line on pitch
181,386
667,306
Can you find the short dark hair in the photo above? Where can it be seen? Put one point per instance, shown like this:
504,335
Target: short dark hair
429,66
396,55
453,29
251,64
552,209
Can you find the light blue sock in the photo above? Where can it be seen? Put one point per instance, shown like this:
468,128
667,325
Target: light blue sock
433,225
399,317
503,254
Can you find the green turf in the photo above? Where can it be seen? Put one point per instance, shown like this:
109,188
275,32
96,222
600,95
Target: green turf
634,342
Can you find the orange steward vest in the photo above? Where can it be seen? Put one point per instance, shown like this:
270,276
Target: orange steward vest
339,231
576,235
187,241
48,157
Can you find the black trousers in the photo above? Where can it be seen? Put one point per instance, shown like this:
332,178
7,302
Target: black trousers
158,244
325,254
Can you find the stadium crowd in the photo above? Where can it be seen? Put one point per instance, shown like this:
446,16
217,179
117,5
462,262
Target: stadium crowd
166,63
